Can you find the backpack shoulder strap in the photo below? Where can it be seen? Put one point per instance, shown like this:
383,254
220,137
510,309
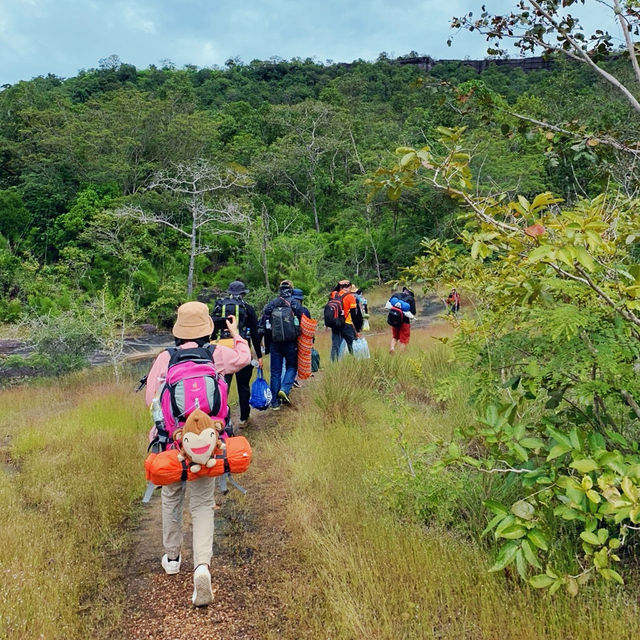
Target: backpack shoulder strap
210,348
172,351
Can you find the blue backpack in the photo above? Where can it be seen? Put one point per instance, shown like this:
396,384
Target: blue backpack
260,397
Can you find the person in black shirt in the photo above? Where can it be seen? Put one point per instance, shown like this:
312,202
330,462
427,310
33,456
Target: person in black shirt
234,304
283,349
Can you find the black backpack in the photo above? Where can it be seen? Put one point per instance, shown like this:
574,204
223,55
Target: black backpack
395,317
334,317
285,326
230,307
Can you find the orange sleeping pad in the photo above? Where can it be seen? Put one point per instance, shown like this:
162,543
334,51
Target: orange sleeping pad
165,468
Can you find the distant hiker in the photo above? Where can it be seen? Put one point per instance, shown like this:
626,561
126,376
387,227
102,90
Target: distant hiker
281,322
298,294
305,339
453,302
362,305
192,330
342,315
402,309
234,304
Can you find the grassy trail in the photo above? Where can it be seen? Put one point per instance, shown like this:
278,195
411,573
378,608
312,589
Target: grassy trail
328,543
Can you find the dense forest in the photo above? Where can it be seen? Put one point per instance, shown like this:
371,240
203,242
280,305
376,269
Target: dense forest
146,187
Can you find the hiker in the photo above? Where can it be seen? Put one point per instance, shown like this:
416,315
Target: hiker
234,304
362,305
192,329
281,325
344,319
402,309
453,302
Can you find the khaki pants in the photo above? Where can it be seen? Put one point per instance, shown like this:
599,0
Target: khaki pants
201,505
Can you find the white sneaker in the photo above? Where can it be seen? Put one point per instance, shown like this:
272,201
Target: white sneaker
171,567
202,592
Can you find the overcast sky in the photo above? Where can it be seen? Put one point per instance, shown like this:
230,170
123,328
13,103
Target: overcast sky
63,36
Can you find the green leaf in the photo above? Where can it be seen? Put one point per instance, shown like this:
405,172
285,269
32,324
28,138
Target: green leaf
506,522
505,556
513,532
585,465
584,258
555,586
572,586
543,252
537,538
610,574
590,538
530,554
521,564
594,496
523,509
496,507
492,523
559,437
532,443
541,581
567,482
557,451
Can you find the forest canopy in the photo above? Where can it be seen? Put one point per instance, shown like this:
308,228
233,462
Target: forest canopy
83,206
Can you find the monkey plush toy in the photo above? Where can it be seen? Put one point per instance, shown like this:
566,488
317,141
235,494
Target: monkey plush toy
199,439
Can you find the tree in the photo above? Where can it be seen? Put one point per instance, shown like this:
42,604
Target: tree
312,131
546,25
209,196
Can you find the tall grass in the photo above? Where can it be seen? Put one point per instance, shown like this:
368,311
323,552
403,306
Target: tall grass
70,468
369,570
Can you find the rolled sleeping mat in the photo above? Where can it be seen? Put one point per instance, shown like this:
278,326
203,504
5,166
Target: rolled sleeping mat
165,468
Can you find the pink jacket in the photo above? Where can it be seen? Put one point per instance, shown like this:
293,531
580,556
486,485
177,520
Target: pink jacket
226,360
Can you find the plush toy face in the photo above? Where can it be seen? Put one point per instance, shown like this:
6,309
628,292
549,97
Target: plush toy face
198,437
199,447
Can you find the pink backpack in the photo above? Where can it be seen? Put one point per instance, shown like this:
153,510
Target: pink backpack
192,383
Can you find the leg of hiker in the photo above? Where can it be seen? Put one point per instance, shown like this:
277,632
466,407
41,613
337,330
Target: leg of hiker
349,335
291,362
336,339
276,361
172,504
201,504
395,336
243,380
404,333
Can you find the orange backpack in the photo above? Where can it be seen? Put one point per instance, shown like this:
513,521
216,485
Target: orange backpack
165,468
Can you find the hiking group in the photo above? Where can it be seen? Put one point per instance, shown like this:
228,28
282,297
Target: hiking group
187,387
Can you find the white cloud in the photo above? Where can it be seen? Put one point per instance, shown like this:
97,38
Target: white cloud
137,18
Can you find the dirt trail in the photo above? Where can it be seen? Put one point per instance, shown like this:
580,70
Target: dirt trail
250,546
248,531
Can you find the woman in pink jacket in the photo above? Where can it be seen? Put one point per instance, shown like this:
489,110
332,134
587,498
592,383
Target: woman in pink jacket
193,327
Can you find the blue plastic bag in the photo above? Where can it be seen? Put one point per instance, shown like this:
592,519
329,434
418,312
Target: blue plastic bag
260,397
361,349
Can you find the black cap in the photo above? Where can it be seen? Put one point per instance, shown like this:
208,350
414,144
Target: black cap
237,288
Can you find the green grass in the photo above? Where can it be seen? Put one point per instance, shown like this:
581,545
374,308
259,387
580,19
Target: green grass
72,452
369,568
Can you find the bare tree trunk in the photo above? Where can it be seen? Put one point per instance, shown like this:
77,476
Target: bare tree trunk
265,244
192,258
315,208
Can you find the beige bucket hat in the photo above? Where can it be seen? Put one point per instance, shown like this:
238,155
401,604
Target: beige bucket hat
193,321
